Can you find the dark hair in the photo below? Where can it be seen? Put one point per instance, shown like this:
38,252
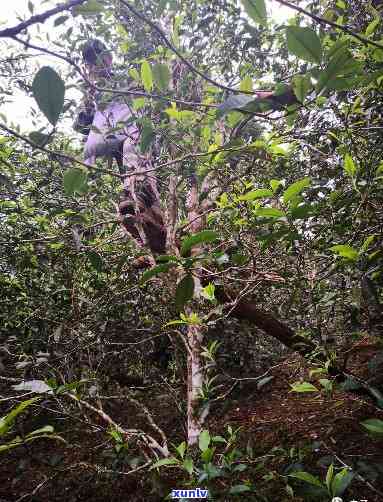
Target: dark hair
93,50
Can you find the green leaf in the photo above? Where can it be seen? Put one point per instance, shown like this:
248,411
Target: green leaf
260,193
246,84
373,425
256,9
181,448
8,420
301,86
200,238
349,165
75,181
372,26
307,477
204,440
49,91
188,465
60,20
185,291
329,476
147,136
161,75
158,269
275,184
134,74
237,489
269,212
38,138
146,76
345,251
303,387
165,461
341,481
295,188
89,8
208,292
95,260
235,102
304,43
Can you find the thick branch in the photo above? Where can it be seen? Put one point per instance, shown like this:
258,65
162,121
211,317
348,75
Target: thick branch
38,18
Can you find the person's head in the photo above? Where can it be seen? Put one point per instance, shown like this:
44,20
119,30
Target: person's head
97,58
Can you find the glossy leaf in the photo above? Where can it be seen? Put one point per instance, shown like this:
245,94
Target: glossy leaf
161,75
307,477
75,181
260,193
269,212
304,43
349,165
345,251
256,9
204,440
301,86
147,76
295,189
303,387
203,237
374,425
49,91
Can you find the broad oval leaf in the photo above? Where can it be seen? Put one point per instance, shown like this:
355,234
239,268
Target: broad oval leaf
75,181
349,165
185,291
161,75
188,465
235,102
301,86
236,489
341,481
269,212
260,193
49,91
256,9
304,43
165,461
307,477
345,251
204,440
373,425
146,76
295,189
303,387
200,238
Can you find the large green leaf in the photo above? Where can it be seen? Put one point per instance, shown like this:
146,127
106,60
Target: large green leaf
256,9
200,238
345,251
295,188
301,86
146,76
75,181
269,212
349,165
161,75
237,489
307,477
49,91
374,425
304,43
303,387
260,193
7,421
185,291
89,8
234,102
204,440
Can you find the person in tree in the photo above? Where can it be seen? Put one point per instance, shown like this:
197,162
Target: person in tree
110,114
110,125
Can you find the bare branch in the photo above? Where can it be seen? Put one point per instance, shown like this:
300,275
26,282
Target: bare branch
38,18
